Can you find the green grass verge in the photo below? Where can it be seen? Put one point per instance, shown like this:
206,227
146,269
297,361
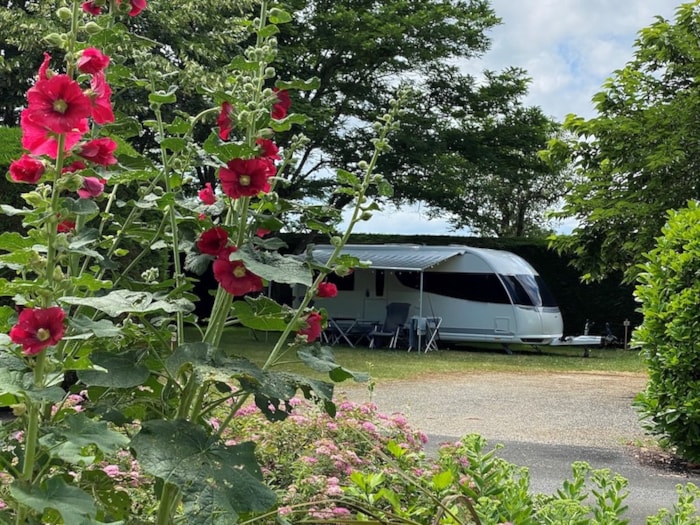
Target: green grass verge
384,364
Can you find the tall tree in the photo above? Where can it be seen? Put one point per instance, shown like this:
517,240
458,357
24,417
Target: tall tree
640,156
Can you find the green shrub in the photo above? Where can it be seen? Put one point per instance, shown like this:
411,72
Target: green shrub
669,337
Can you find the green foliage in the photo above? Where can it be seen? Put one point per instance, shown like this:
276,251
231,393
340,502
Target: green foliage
638,157
669,292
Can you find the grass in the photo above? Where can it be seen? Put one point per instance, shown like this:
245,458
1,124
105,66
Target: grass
384,364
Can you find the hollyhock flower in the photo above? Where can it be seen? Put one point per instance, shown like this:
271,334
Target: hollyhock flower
213,241
233,276
261,232
91,8
281,107
65,226
313,328
225,120
100,99
246,177
40,140
326,289
92,61
206,194
74,166
100,151
44,67
38,328
269,149
26,169
92,187
58,103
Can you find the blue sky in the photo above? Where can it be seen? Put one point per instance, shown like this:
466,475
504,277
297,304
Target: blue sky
568,48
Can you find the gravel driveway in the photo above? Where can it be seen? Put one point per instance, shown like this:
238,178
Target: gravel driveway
587,409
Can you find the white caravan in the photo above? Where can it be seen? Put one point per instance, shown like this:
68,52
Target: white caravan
479,295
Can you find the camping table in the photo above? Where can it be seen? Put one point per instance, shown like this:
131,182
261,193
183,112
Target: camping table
352,331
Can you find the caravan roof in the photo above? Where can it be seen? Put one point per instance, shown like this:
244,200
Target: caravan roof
415,257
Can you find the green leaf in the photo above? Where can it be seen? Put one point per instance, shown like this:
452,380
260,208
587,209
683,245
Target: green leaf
210,365
90,282
300,85
120,302
226,151
82,324
84,207
347,178
174,144
260,313
76,434
13,241
321,359
268,31
122,371
442,480
279,16
74,505
275,267
214,479
287,123
163,97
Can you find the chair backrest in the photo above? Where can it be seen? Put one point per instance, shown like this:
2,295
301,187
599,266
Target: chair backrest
396,315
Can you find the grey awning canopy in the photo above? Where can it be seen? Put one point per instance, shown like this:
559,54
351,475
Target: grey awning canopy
406,257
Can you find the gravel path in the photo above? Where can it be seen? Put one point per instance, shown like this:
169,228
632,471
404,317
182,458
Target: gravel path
586,409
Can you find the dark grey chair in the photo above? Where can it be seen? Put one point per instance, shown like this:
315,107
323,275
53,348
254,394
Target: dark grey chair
395,321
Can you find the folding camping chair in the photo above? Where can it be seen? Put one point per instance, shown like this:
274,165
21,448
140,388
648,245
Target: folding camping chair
396,315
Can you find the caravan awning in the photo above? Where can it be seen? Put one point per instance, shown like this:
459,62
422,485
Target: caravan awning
406,257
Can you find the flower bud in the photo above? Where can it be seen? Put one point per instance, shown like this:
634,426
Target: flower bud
270,72
64,14
58,274
92,28
55,39
335,240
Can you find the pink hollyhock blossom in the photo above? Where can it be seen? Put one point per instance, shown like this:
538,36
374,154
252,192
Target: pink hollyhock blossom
40,140
38,328
269,149
92,61
65,226
136,6
91,8
26,169
100,99
58,103
225,120
233,275
326,289
100,151
313,327
206,194
44,67
281,107
261,232
213,241
246,177
74,166
92,187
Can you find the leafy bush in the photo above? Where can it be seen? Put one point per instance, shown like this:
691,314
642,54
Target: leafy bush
669,337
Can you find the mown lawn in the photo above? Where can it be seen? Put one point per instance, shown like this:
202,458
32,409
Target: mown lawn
402,365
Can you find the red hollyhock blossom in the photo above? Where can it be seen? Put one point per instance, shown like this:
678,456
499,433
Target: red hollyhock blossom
213,241
281,107
225,120
44,67
261,232
100,99
100,151
58,103
313,329
136,6
326,289
206,194
38,328
65,226
269,149
91,8
92,61
92,187
233,275
74,166
246,177
26,169
40,140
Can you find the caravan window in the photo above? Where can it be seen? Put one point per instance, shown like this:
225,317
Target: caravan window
344,284
481,287
528,290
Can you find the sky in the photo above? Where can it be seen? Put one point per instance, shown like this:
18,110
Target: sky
568,48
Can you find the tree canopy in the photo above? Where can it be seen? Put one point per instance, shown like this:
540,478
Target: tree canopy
639,156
